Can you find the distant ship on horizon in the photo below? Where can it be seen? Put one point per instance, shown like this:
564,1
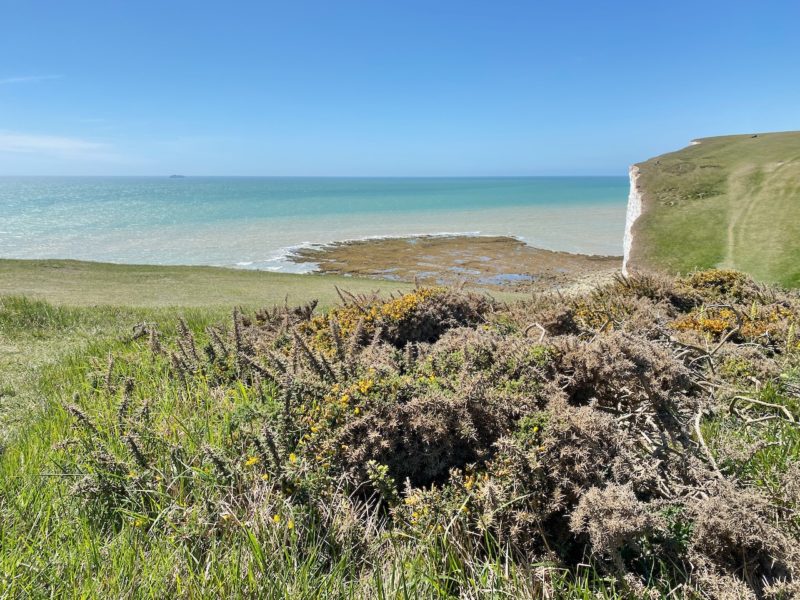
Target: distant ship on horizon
177,176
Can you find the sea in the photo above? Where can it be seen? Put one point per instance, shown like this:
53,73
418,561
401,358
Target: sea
258,222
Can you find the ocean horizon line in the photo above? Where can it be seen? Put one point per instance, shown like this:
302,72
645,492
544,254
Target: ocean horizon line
191,176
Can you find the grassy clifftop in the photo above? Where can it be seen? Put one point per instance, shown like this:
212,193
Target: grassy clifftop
731,201
638,441
79,283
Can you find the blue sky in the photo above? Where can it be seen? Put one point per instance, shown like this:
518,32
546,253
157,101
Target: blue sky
403,87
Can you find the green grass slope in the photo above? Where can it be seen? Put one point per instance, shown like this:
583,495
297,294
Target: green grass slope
78,283
731,201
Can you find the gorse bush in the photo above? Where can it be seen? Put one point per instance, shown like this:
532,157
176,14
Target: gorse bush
444,431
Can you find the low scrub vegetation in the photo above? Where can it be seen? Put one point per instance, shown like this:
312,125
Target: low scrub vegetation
638,441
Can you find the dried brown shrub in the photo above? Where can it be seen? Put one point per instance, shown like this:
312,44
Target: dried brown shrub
733,537
622,371
584,448
563,429
612,517
425,437
739,364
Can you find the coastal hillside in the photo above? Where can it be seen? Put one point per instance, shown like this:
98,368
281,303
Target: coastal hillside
731,202
636,441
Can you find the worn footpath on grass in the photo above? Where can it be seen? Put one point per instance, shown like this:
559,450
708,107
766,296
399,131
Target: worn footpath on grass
731,201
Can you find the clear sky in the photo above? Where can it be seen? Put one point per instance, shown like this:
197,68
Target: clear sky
378,87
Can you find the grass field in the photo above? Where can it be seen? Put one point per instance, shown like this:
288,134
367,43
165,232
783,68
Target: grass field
731,201
78,283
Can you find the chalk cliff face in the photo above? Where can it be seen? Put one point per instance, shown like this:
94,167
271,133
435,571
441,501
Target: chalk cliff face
633,213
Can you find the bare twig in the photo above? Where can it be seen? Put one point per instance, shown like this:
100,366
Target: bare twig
737,399
537,325
703,445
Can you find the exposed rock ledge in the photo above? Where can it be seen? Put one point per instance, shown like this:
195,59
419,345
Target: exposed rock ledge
492,262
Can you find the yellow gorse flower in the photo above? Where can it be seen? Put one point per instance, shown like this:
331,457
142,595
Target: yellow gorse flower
253,460
399,309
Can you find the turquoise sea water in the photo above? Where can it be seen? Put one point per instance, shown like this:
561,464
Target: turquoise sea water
255,222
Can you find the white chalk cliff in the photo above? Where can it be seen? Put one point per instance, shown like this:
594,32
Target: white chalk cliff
633,213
